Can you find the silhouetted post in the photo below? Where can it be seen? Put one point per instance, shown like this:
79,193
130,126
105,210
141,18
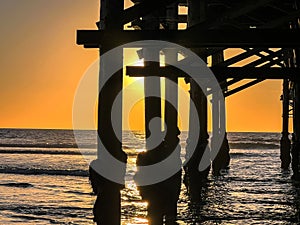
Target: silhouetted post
152,84
296,116
222,159
296,126
195,179
171,82
162,197
107,208
171,117
285,143
296,135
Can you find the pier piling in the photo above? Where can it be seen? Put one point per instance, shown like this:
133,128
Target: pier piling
152,85
296,125
285,143
195,179
222,159
107,207
171,82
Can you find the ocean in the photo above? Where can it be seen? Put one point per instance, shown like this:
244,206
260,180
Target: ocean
44,180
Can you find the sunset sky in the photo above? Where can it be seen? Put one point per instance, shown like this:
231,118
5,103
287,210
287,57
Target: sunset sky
41,66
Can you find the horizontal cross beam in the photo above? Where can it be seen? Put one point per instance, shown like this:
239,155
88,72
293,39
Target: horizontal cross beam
194,38
221,73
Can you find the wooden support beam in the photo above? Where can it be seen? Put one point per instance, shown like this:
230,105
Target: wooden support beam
235,80
171,84
198,135
222,158
222,73
152,87
257,72
253,38
243,87
240,57
152,104
107,207
226,84
255,51
251,65
279,54
285,143
296,134
296,125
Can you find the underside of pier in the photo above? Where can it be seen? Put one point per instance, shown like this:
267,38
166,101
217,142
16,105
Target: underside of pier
266,37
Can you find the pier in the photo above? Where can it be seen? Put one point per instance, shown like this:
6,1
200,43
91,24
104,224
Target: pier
266,29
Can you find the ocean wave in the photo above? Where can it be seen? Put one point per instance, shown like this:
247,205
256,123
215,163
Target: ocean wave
31,171
46,145
79,193
44,152
16,184
251,145
42,209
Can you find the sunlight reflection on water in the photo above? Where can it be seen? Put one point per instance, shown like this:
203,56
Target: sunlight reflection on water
253,191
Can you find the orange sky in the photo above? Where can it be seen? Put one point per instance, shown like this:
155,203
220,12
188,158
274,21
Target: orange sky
41,66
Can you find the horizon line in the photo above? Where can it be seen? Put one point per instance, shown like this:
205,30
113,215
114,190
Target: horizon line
142,131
